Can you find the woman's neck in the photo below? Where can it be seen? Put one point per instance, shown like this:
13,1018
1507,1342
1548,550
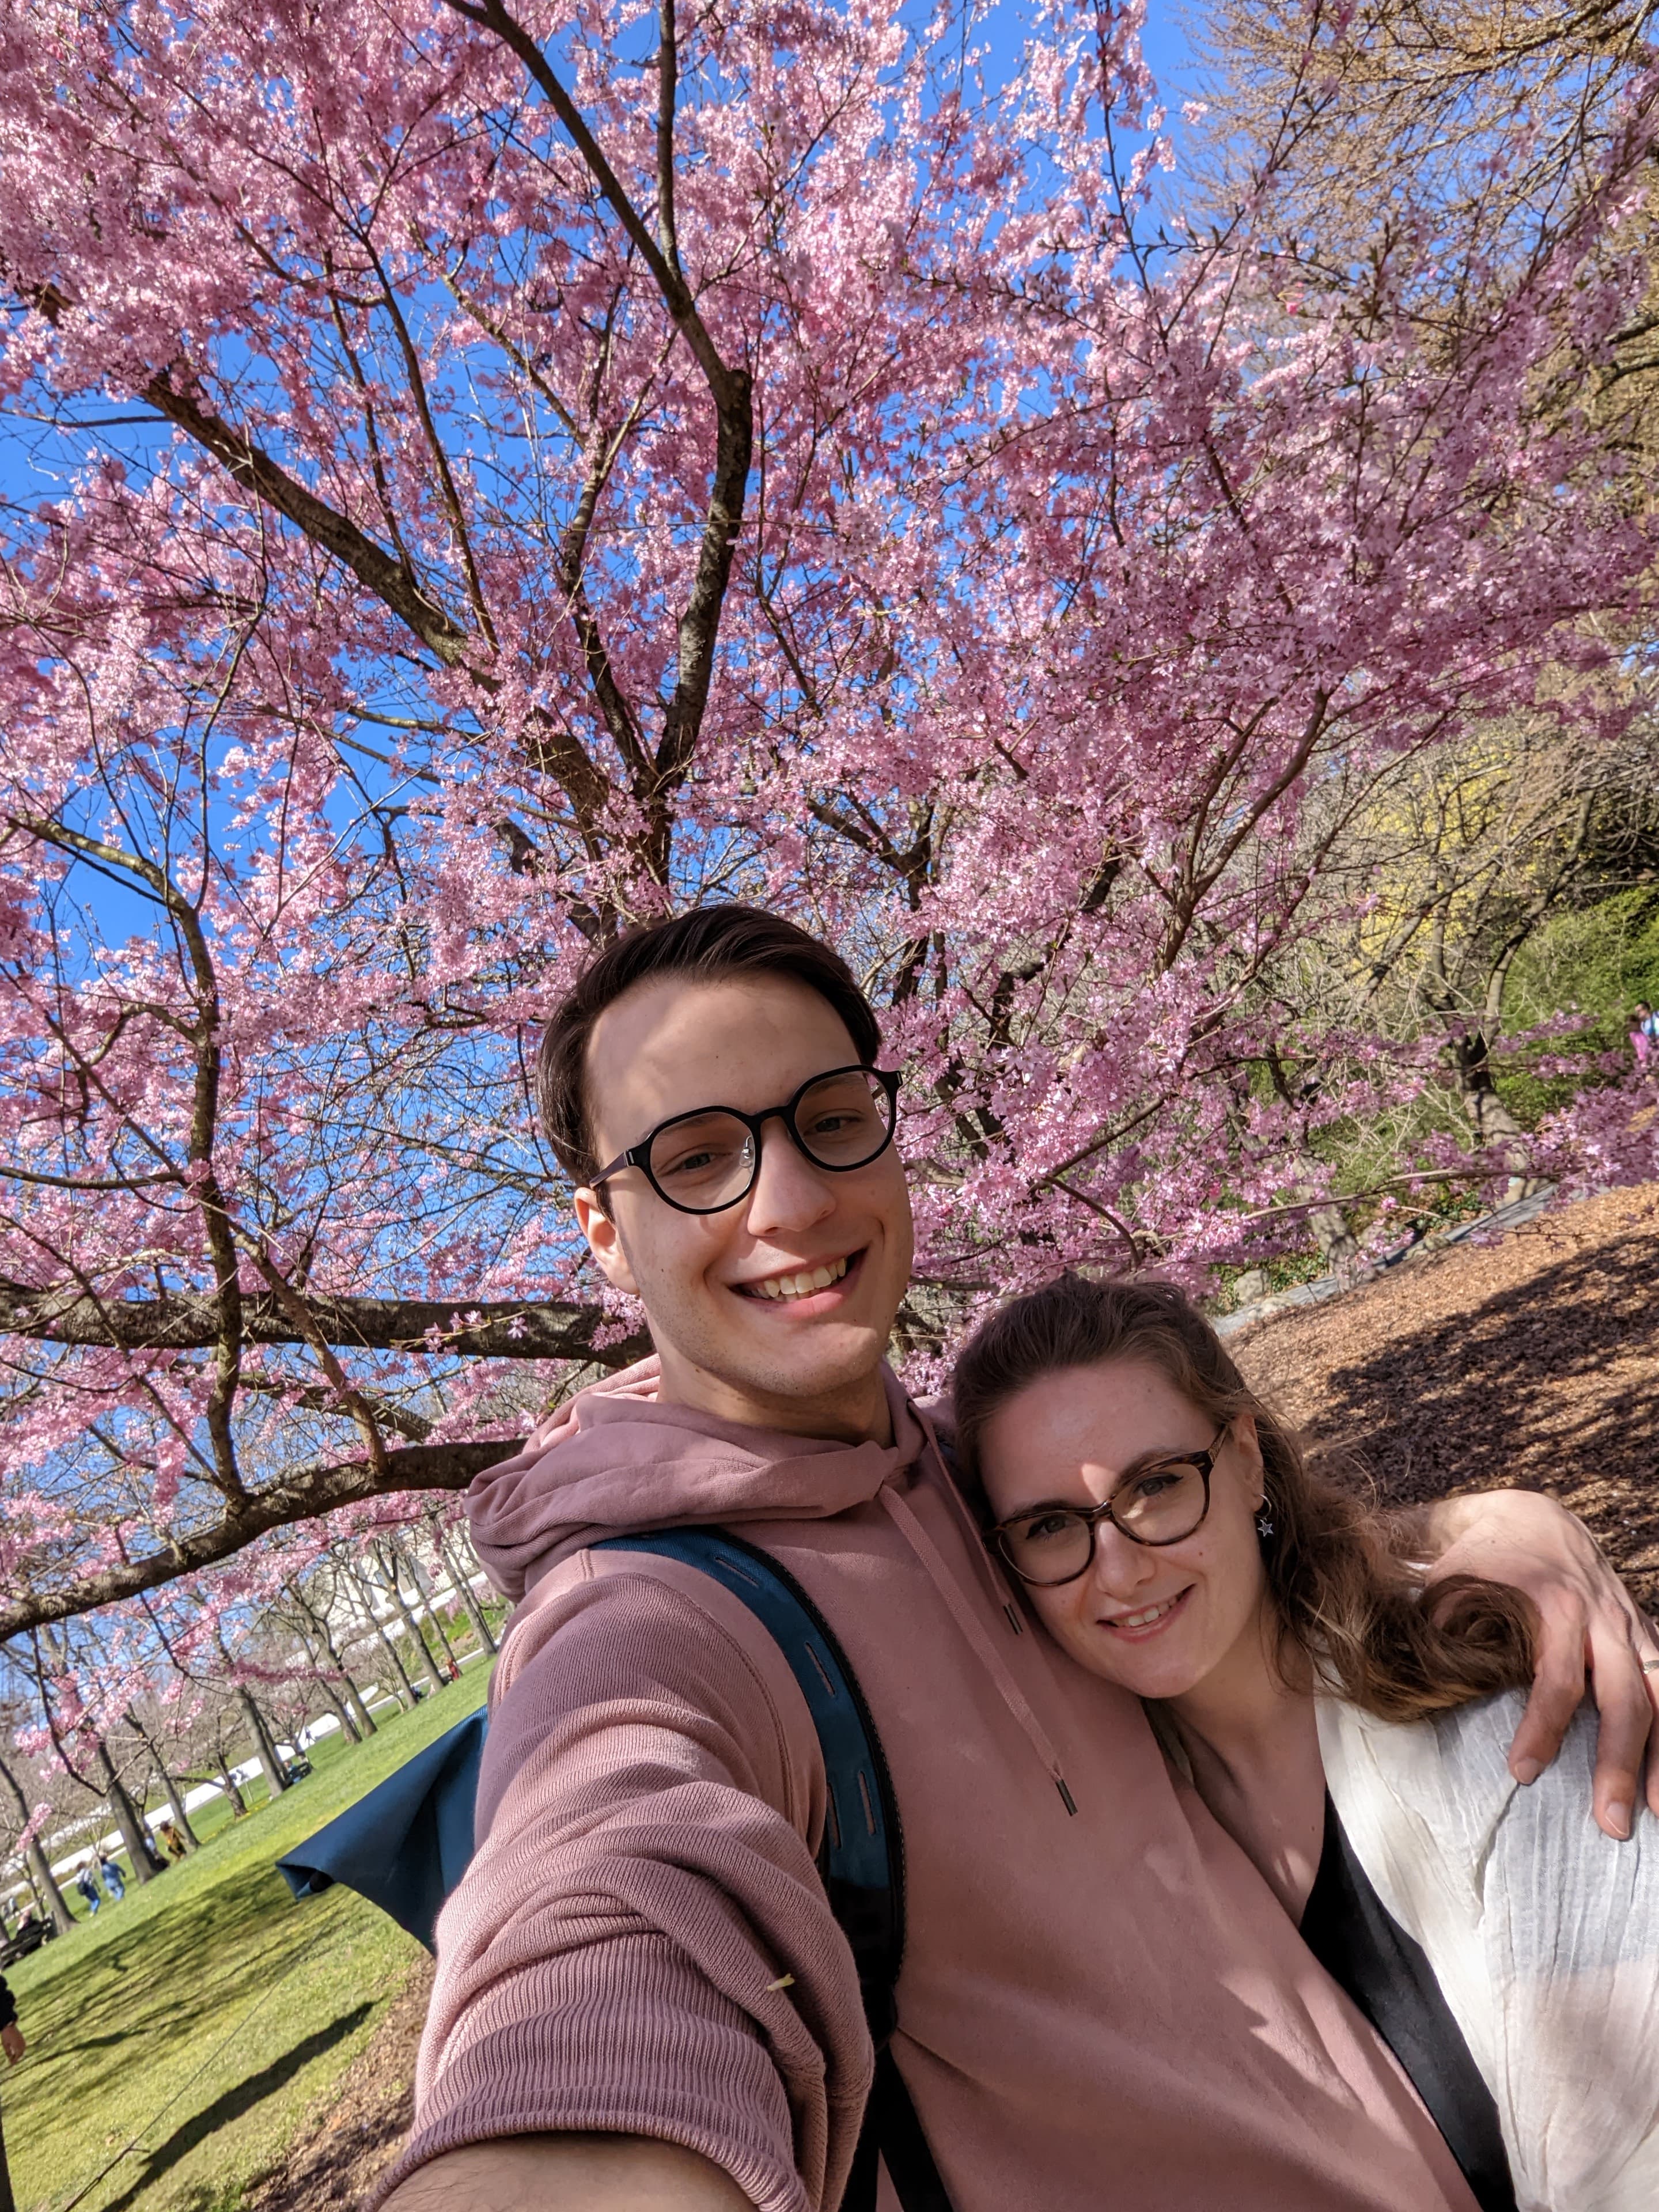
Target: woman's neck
1251,1739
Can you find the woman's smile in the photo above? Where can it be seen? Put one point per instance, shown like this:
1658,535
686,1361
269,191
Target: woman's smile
1146,1621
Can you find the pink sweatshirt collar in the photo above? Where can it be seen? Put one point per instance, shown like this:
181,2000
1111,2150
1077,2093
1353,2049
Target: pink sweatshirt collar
612,1460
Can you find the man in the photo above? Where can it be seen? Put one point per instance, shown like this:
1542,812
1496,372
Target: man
642,2000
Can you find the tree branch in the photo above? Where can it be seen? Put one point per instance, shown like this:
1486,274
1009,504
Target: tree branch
256,472
188,1320
303,1496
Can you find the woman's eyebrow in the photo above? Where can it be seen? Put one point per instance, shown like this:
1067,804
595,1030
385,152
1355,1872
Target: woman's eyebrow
1161,1456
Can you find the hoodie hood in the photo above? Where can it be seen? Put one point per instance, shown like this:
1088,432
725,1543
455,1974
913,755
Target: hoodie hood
612,1460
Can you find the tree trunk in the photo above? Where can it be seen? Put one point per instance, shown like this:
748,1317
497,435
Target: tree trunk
430,1601
264,1745
180,1818
343,1712
366,1724
45,1885
361,1720
40,1874
344,1689
365,1598
128,1819
454,1560
186,1834
411,1628
34,1859
1495,1129
1329,1227
325,1676
226,1780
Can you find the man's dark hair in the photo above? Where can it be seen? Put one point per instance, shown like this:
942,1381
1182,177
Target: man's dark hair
703,946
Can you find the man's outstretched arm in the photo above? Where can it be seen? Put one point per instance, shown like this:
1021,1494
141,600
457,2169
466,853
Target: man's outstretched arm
569,2174
1593,1637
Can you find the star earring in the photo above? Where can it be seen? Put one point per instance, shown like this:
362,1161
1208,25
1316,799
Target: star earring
1264,1520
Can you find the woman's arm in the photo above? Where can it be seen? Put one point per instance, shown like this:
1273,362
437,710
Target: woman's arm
1592,1634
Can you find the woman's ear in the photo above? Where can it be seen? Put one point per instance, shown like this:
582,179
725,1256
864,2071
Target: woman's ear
1249,1451
604,1241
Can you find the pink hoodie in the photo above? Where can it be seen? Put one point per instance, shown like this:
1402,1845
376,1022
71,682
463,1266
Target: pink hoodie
1104,2006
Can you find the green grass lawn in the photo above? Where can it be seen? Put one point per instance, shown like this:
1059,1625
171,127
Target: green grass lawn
163,2019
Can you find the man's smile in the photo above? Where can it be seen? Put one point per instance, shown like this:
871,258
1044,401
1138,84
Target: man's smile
802,1281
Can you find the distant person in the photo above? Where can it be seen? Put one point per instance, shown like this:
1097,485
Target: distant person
12,2043
171,1841
1351,1740
1644,1035
114,1880
11,2036
89,1889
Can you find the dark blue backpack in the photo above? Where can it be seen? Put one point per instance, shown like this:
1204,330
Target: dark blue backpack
406,1845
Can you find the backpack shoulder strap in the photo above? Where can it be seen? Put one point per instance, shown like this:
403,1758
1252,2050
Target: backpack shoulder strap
862,1858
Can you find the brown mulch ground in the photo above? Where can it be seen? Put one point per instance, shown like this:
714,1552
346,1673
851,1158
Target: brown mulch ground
1534,1360
340,2161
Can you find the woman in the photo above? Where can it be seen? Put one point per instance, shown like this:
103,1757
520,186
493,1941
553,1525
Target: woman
1351,1739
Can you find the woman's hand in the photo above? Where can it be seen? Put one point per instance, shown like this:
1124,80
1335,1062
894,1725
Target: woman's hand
1592,1634
12,2043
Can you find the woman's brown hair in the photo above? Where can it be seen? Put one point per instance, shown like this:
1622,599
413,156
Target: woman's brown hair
1342,1597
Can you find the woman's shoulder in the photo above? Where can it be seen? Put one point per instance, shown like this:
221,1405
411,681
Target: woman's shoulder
1446,1780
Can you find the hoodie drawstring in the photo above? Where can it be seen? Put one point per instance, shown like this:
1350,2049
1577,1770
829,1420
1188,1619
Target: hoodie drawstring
932,1563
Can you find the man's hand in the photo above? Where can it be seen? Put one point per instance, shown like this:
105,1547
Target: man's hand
11,2042
1590,1631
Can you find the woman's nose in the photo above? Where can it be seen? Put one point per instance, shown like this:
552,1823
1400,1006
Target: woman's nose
1120,1565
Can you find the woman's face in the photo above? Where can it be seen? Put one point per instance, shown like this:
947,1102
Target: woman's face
1156,1620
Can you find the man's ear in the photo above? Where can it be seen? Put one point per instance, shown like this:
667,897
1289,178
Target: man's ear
604,1241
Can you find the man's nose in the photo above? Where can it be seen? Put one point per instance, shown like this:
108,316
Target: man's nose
789,1192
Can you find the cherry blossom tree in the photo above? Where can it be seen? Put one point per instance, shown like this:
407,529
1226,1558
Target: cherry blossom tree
479,475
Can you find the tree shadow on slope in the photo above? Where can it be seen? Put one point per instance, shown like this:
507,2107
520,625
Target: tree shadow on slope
235,2102
1553,1383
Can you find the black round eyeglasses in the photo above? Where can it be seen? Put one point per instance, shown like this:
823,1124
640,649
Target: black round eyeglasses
1156,1505
705,1160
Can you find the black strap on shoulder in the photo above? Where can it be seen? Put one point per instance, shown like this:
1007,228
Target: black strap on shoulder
1365,1951
862,1859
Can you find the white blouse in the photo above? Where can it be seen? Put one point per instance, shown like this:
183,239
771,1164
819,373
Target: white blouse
1543,1933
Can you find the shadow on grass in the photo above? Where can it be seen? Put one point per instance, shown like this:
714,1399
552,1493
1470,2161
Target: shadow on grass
237,2101
1549,1383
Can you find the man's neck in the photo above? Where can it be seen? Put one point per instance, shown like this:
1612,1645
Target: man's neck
854,1413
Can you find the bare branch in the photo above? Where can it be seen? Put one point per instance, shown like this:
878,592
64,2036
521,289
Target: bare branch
301,1496
497,1329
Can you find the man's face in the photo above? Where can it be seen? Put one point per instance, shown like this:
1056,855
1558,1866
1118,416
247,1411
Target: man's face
808,1362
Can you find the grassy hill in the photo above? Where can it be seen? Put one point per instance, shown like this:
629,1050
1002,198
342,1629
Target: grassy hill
199,2024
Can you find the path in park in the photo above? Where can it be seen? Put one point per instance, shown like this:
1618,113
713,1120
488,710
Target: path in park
1533,1359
